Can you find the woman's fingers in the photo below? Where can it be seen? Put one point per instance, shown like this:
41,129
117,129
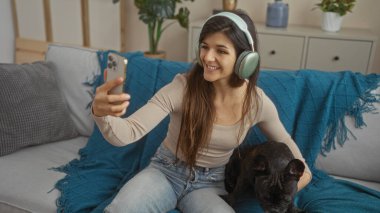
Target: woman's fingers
105,104
110,104
118,98
103,109
107,86
118,108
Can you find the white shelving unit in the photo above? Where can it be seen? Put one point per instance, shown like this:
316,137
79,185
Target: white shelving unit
306,47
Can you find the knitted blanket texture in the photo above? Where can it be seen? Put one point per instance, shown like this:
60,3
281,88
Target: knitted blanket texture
311,104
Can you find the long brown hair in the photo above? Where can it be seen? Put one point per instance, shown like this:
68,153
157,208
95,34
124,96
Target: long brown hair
197,107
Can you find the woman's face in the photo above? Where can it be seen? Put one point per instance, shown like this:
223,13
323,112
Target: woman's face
218,57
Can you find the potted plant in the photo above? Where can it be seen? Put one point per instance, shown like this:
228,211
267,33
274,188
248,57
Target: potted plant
333,12
154,13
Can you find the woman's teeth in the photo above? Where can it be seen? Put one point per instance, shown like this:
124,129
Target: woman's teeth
212,67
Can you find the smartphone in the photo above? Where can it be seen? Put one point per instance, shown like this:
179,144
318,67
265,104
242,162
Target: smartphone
116,67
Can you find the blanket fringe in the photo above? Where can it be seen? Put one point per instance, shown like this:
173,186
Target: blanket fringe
70,169
337,132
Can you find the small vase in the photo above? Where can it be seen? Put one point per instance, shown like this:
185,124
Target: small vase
331,22
229,4
277,14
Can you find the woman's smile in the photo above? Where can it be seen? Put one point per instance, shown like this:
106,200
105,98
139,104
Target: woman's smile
212,68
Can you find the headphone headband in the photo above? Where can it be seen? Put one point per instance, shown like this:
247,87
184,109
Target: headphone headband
239,22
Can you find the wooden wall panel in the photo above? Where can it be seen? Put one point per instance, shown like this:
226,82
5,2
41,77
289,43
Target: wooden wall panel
123,25
104,24
47,17
28,50
96,24
85,22
67,26
30,15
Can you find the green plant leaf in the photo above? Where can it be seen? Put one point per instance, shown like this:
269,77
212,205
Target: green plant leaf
154,13
183,17
163,8
337,6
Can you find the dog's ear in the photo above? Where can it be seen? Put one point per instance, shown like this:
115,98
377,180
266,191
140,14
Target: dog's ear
260,165
295,169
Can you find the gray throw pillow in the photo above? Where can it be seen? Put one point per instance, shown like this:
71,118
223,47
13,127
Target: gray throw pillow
32,110
77,69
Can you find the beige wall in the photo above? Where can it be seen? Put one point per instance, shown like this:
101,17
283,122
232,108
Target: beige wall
174,40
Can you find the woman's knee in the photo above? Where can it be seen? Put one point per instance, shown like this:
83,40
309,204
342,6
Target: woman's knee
148,191
204,200
137,206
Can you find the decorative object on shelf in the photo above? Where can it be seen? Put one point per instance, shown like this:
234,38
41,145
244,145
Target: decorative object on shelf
277,14
229,4
159,54
154,13
331,22
333,12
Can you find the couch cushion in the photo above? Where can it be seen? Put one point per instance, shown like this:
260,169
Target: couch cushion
33,111
358,158
27,182
76,69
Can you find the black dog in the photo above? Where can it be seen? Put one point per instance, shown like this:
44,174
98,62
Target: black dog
267,171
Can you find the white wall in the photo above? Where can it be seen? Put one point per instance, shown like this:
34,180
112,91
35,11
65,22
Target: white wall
7,37
174,40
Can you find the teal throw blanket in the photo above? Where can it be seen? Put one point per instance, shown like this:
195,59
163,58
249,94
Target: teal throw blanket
311,105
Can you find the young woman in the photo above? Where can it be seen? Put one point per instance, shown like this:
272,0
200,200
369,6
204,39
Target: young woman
211,109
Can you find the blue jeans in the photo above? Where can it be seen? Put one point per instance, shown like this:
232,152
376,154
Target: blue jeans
167,184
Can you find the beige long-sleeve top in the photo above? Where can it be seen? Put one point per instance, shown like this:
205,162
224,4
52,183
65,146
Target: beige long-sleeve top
168,101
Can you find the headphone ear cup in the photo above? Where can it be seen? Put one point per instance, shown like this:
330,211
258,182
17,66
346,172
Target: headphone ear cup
197,56
246,64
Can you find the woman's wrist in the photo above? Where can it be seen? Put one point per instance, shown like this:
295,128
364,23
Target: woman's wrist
304,180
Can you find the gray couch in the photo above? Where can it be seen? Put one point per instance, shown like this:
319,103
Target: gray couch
27,178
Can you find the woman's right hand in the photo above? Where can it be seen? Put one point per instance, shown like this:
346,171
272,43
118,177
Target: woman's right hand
107,104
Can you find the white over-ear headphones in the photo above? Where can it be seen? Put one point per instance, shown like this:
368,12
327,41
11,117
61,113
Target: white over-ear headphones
247,61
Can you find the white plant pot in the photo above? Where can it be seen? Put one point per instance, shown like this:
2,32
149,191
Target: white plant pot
331,22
